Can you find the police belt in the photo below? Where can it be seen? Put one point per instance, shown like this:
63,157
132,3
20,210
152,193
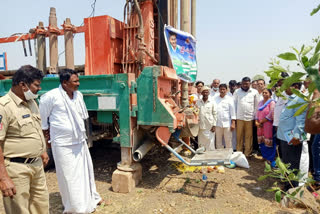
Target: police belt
24,160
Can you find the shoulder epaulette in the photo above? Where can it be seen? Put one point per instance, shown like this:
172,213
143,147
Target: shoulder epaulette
4,100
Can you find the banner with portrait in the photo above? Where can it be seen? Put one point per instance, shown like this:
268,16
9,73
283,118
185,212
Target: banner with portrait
182,50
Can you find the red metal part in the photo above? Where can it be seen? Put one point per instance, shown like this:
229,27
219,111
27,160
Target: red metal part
103,38
15,38
148,26
139,52
163,135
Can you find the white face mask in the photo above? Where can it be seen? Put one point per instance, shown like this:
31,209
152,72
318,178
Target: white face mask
215,89
29,95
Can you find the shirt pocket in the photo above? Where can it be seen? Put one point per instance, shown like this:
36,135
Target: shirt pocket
225,108
249,100
26,126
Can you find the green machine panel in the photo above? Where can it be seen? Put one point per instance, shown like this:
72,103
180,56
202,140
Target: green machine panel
102,93
150,109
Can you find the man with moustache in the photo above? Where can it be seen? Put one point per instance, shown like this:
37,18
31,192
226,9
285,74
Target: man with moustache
63,112
246,102
22,146
226,118
232,87
292,136
207,123
215,87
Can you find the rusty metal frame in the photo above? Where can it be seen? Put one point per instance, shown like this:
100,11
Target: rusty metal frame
26,36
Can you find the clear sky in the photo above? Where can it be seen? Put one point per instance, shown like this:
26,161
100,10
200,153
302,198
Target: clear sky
236,38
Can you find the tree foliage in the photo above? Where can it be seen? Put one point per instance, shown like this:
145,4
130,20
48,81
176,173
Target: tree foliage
315,10
284,174
307,58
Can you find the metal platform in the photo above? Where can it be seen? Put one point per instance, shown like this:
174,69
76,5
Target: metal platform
208,158
211,158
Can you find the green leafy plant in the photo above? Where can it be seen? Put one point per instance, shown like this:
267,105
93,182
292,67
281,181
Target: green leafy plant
285,175
307,59
315,10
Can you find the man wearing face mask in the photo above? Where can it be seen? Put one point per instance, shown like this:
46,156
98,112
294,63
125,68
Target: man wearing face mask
22,146
215,88
63,112
246,103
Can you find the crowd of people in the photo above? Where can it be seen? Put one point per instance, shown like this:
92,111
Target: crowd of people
250,118
247,117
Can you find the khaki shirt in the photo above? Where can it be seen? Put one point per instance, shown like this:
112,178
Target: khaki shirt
20,128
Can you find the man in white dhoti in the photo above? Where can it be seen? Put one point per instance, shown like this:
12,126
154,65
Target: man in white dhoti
207,123
63,112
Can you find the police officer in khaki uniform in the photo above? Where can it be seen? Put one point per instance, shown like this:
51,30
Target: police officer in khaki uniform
22,146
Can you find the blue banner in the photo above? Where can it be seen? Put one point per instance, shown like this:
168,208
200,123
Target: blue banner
182,50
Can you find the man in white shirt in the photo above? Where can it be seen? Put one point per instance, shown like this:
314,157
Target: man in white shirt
215,87
246,103
261,84
280,104
254,84
63,112
207,120
226,117
232,89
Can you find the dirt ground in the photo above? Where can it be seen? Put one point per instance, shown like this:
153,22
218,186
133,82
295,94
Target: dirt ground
166,190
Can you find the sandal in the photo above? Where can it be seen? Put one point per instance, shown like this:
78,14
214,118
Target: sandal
103,202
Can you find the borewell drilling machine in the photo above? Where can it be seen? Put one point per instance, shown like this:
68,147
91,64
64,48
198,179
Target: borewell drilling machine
130,88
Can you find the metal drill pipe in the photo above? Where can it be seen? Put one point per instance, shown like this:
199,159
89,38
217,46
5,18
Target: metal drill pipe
53,41
68,42
185,26
24,48
193,17
29,43
41,49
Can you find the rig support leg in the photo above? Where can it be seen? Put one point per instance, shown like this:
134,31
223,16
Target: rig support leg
128,174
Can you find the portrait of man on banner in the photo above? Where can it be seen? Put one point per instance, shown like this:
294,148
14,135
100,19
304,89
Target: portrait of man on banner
181,47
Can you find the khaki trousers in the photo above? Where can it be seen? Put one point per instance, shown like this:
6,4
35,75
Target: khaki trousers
223,133
244,129
30,182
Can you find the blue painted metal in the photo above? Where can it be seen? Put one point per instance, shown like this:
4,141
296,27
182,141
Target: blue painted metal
4,61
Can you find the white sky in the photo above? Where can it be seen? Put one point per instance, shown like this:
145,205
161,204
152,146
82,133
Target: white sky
235,38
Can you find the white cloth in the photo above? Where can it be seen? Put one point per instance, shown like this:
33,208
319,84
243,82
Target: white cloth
206,139
246,103
207,115
64,116
260,96
230,94
214,93
223,133
280,104
197,96
304,163
225,111
75,175
274,97
77,111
